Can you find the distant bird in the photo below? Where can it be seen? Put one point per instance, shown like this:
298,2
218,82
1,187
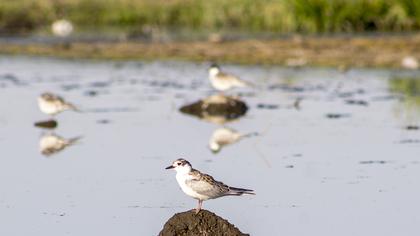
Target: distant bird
51,143
410,62
202,186
52,104
62,28
225,136
223,81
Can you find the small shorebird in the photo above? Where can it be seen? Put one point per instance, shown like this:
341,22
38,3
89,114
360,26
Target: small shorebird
62,28
225,136
202,186
222,81
52,104
51,143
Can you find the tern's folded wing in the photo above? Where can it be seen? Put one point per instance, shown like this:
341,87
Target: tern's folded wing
206,185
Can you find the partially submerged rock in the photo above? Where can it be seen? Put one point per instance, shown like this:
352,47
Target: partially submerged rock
47,124
217,109
204,223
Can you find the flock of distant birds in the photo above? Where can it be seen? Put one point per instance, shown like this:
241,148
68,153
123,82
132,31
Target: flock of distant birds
194,183
53,104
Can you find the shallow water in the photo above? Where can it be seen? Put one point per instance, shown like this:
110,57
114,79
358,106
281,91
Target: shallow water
343,162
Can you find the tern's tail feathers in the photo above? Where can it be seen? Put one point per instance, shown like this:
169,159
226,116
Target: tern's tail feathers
250,135
72,107
74,140
242,83
240,191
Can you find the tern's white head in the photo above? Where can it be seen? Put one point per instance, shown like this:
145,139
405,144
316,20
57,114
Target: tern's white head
47,96
214,146
181,166
214,70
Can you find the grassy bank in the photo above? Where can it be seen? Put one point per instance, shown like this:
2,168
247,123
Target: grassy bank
309,16
410,87
343,52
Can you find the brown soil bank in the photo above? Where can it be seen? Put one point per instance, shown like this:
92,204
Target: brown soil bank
359,51
204,223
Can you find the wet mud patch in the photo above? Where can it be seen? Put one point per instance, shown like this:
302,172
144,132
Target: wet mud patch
297,88
412,127
349,94
267,106
372,162
333,116
69,87
409,141
100,84
90,93
164,84
103,121
10,79
356,102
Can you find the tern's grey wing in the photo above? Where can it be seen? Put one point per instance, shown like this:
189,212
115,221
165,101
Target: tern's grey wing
52,97
206,185
60,102
60,99
224,76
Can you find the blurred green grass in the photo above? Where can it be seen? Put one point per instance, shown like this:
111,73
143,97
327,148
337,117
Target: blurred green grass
409,87
303,16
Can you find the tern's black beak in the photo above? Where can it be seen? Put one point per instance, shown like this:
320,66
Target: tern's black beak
169,167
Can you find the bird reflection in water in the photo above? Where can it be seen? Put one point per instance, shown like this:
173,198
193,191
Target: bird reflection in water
224,136
50,143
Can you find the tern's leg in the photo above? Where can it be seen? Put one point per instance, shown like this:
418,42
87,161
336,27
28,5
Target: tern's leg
200,203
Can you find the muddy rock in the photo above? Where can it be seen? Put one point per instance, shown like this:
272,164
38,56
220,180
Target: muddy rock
216,108
47,124
204,223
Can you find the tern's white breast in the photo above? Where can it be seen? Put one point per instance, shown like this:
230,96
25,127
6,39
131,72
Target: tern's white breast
181,178
220,84
48,107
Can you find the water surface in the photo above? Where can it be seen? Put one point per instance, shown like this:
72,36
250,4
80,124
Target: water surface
343,162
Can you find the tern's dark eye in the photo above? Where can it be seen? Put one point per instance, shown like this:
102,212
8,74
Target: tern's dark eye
179,163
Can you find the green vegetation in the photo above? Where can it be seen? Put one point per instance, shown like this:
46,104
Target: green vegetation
340,52
308,16
409,87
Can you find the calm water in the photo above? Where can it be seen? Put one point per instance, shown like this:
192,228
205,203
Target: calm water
343,164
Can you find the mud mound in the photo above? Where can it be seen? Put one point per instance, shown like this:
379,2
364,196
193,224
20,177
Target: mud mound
204,223
216,109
